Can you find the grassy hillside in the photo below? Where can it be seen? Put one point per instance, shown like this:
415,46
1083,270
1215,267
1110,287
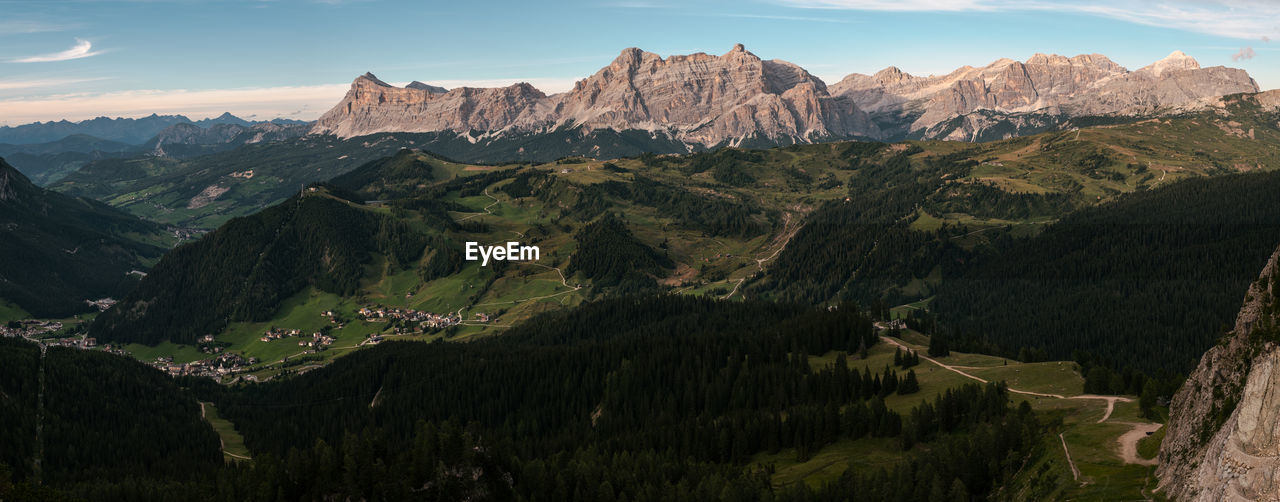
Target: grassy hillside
907,218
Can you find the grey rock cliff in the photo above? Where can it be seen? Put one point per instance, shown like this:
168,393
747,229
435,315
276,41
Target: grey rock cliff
1223,438
1089,84
699,99
708,100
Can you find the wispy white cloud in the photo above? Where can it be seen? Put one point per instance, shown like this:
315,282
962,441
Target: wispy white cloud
896,5
45,83
1245,53
82,49
1244,19
20,27
807,19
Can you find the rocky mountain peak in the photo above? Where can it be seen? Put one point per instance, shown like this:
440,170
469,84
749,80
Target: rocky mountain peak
370,78
426,87
892,75
708,100
1040,58
1175,61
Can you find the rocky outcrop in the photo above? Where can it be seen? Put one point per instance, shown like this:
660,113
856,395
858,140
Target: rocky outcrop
433,89
373,106
708,100
698,99
1223,439
1044,84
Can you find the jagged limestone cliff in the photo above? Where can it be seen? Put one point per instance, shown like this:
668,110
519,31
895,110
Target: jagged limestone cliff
1223,441
698,99
707,100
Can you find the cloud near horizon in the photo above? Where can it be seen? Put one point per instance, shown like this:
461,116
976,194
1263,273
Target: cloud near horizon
82,49
1245,19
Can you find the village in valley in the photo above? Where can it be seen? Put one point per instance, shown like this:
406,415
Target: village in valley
221,361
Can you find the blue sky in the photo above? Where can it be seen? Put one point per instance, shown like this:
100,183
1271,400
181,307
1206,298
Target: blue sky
79,59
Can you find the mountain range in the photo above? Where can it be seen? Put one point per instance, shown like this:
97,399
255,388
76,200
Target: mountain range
704,101
122,130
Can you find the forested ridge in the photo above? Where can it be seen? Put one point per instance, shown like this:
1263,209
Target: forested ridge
636,398
611,256
57,251
1149,281
111,425
242,271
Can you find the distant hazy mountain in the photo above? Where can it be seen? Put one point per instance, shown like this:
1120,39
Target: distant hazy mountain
131,131
123,130
186,140
225,118
704,101
57,251
82,143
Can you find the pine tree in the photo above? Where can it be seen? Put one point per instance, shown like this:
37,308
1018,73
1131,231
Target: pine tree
1147,402
958,491
938,346
909,384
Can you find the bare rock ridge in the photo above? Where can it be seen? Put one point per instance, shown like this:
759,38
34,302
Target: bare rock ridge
1082,85
699,99
426,87
708,100
1223,441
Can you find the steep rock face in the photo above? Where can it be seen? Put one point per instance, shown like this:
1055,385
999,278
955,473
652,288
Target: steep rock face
373,106
1047,84
707,100
699,98
1223,441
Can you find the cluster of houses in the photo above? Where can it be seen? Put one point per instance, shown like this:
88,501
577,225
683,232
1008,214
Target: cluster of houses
333,317
207,345
71,341
317,341
102,304
217,367
276,334
427,319
29,328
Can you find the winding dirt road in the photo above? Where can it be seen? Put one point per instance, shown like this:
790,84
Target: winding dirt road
486,208
1075,472
1129,443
